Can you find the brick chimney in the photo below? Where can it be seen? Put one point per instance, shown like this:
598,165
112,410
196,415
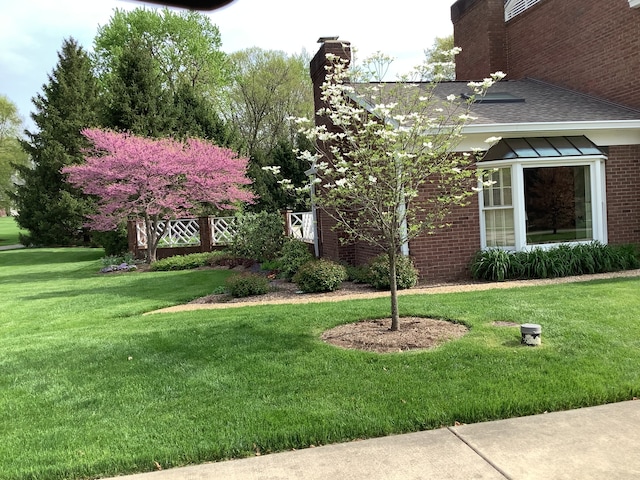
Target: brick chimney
479,29
340,48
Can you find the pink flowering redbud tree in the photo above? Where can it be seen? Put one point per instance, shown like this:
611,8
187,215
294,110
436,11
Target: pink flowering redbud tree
156,180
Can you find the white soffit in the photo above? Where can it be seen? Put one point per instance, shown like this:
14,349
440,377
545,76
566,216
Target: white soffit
621,132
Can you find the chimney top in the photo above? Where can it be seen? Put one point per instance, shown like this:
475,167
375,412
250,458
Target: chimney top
327,39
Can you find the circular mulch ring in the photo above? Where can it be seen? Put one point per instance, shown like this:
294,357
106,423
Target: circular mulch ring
414,333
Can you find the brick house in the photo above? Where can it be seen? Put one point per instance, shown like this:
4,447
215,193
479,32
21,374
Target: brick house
568,166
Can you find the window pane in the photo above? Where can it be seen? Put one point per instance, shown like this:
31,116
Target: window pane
498,194
499,227
558,204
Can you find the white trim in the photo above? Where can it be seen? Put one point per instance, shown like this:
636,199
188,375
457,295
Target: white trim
605,133
596,164
634,3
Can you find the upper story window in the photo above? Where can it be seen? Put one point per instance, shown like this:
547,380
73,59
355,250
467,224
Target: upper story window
516,7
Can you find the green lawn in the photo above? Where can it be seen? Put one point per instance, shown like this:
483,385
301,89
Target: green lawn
9,231
90,387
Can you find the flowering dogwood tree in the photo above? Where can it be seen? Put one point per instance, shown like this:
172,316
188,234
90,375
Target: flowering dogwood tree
156,179
385,167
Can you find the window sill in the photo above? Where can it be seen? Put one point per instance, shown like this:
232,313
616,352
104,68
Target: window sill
634,3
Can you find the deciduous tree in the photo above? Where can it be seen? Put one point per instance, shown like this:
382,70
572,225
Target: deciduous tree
267,88
386,167
184,46
11,154
156,180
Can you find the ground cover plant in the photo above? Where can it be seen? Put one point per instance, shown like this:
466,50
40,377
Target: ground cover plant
9,231
91,387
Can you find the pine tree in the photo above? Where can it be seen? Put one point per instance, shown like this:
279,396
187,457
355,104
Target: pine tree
48,207
137,101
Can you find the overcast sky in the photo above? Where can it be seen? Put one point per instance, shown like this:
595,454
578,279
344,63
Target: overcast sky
32,31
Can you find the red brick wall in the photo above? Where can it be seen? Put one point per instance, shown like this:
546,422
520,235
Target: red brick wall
623,200
445,255
588,45
479,30
592,46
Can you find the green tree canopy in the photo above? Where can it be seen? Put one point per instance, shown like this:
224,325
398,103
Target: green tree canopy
48,207
268,88
11,154
184,46
439,57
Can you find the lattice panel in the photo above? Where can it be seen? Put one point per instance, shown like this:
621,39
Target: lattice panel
301,226
223,229
179,233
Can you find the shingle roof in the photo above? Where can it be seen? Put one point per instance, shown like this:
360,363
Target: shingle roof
543,102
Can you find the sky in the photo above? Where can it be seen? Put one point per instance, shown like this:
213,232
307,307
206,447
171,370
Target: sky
32,31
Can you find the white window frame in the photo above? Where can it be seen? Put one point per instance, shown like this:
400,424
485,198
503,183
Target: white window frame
596,164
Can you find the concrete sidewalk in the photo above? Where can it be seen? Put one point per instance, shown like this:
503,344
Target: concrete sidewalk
591,443
11,247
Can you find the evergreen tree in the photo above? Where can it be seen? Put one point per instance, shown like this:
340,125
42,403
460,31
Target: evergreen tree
136,99
195,116
48,207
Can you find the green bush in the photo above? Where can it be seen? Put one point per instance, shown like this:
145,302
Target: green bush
117,259
293,255
114,242
320,276
561,261
246,285
228,259
259,236
183,262
379,273
358,273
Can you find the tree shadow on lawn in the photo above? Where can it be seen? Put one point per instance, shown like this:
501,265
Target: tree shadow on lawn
168,290
35,256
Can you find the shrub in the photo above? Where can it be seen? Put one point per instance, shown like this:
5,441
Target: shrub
114,242
183,262
379,273
358,273
320,276
246,284
117,259
228,259
259,236
293,255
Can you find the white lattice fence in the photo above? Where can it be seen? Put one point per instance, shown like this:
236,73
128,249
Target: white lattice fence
223,230
301,225
183,232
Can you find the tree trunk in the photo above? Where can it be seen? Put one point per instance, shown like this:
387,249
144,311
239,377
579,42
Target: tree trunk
395,316
152,242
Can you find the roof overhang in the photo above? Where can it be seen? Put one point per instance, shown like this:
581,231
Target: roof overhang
602,133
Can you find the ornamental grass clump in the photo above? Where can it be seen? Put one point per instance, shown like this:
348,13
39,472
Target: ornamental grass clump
320,276
561,261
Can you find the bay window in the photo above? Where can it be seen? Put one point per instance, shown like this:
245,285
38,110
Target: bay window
529,200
